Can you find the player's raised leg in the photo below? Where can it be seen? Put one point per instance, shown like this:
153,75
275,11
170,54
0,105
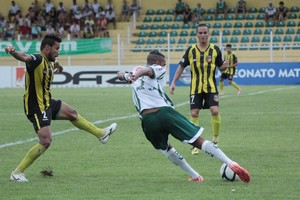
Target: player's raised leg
67,112
212,150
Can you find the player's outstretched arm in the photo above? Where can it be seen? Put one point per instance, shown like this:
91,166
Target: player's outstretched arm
23,57
175,78
142,71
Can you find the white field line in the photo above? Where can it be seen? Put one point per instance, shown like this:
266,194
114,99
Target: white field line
135,115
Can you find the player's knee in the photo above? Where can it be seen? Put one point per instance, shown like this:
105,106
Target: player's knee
215,112
195,113
72,115
46,142
230,82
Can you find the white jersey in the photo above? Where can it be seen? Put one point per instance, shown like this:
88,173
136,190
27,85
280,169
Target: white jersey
148,91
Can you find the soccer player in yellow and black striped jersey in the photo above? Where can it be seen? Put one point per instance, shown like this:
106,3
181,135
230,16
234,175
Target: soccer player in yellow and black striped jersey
203,58
230,71
39,106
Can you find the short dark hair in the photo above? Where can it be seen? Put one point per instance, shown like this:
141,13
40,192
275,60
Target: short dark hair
203,25
228,45
154,56
281,3
50,39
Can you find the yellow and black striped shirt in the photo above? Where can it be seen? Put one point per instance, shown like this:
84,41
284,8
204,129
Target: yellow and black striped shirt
39,75
203,68
232,60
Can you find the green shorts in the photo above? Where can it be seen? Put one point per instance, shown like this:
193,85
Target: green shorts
158,125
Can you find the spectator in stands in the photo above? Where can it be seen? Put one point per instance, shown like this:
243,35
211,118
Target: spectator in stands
35,7
24,31
60,30
19,19
88,31
87,11
49,28
52,17
61,13
77,15
102,26
97,16
111,17
270,12
36,31
75,30
179,8
282,11
47,7
90,20
135,8
124,12
31,15
73,9
221,7
187,14
109,5
95,7
14,8
240,7
41,22
9,31
86,4
198,14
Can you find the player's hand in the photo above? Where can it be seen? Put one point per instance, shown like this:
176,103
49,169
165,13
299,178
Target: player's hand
226,63
172,88
57,67
9,49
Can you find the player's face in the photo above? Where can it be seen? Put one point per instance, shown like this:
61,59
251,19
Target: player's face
54,52
228,49
202,34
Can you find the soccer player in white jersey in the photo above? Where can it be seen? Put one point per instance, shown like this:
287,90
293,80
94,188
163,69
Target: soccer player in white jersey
159,118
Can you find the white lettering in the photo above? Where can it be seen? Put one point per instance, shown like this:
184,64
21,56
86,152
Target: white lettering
24,48
256,73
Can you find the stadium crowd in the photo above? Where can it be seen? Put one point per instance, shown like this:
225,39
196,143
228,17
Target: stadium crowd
91,20
80,21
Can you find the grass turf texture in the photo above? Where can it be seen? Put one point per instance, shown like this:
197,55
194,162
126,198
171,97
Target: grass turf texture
260,130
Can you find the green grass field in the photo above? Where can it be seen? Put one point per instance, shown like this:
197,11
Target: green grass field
260,130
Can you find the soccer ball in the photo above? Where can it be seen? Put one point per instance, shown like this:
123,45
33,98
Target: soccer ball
227,174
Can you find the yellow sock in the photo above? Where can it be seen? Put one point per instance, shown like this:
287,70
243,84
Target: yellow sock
85,125
235,85
30,157
194,120
216,125
221,85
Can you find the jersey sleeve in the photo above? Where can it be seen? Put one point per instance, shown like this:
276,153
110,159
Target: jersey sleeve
36,60
158,72
234,59
185,59
219,60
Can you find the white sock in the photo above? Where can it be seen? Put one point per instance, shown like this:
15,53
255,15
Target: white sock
177,159
211,149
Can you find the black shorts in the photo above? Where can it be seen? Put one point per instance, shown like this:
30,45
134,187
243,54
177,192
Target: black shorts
227,76
204,100
41,119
